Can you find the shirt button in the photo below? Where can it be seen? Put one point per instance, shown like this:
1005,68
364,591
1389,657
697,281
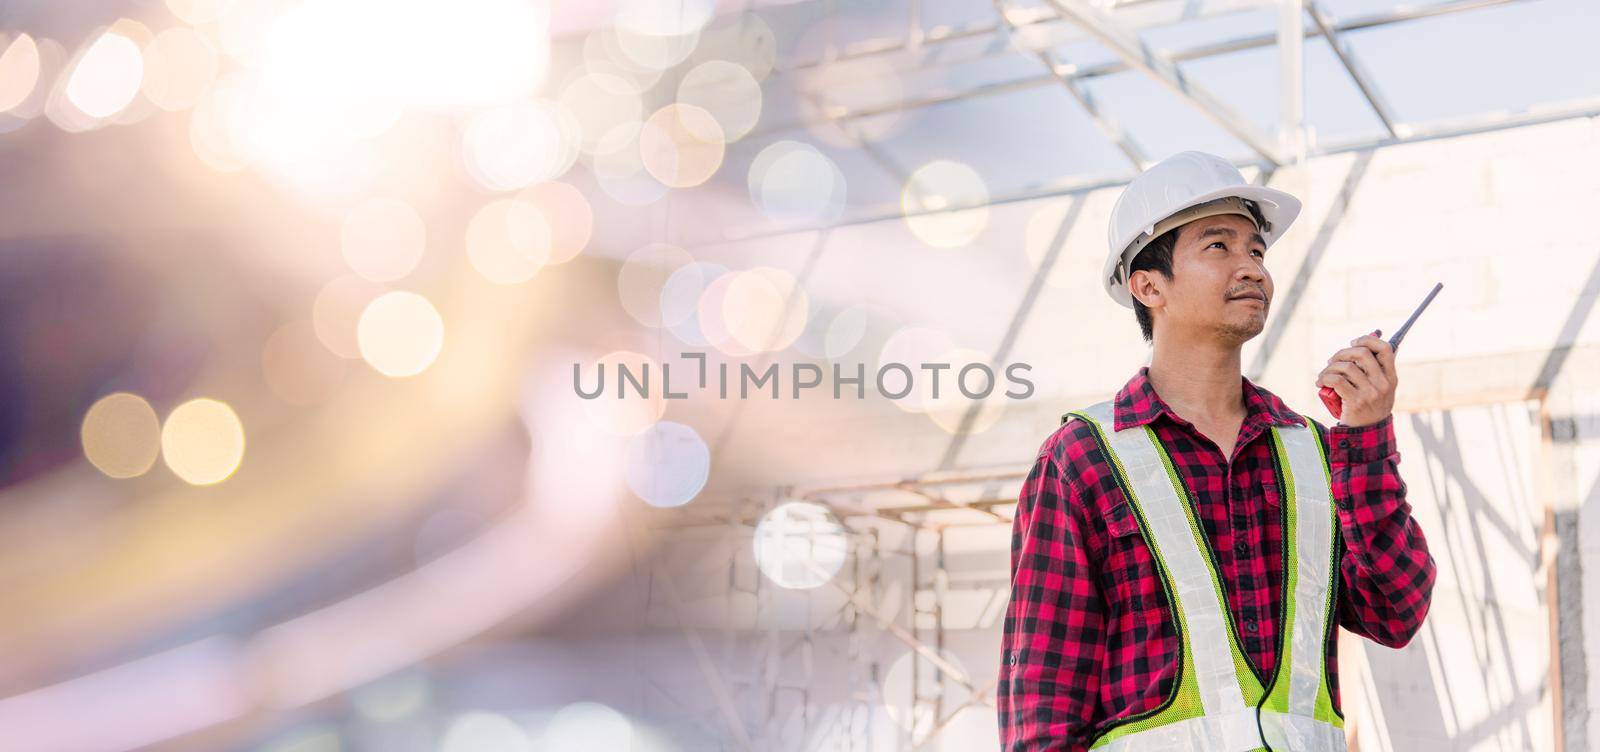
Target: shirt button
1241,547
1344,443
1250,626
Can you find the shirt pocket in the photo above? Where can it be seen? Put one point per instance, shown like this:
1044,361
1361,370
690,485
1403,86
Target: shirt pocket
1127,559
1269,491
1120,520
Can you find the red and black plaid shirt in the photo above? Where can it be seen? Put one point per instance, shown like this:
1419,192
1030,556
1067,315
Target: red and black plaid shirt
1088,633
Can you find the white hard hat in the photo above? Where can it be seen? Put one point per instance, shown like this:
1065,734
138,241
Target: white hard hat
1182,181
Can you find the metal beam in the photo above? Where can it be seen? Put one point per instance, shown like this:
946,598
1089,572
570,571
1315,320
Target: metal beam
1414,133
1062,73
1347,59
1133,51
1080,73
1138,14
1292,80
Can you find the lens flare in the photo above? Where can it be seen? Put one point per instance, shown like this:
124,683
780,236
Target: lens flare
946,204
202,441
667,464
728,92
792,181
799,545
179,66
765,309
643,276
19,72
509,241
681,145
121,435
107,77
400,334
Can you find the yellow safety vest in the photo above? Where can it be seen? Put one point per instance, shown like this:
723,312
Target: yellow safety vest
1217,704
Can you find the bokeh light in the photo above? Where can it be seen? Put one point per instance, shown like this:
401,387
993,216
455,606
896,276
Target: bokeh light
946,204
680,294
198,12
643,276
680,300
107,77
652,50
668,463
517,145
336,310
728,92
619,166
712,317
202,441
602,55
217,125
765,309
480,731
19,72
622,415
600,102
799,545
509,241
744,39
297,368
974,370
382,239
665,17
584,726
913,346
681,145
568,213
400,334
792,181
179,64
121,435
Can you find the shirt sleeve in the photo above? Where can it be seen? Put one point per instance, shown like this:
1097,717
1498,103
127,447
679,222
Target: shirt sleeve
1386,570
1053,643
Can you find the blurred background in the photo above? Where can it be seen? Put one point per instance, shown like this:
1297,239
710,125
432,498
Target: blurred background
299,296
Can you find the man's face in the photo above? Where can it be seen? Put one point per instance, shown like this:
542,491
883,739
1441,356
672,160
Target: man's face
1220,287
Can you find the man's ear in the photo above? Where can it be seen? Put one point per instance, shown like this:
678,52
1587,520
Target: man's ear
1142,286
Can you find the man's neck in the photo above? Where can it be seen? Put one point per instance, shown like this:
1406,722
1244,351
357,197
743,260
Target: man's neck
1200,381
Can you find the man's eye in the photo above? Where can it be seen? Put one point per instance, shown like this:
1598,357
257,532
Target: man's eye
1262,254
1217,243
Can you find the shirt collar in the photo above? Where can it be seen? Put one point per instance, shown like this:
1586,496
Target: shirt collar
1138,404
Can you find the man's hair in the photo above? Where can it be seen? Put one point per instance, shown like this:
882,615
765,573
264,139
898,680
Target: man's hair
1156,256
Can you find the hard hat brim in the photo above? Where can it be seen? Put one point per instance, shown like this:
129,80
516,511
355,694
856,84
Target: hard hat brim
1279,209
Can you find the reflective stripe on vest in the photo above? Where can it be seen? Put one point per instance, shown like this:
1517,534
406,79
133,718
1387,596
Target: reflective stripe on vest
1214,703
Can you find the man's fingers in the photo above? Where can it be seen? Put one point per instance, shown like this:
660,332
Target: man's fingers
1358,379
1361,358
1340,384
1380,350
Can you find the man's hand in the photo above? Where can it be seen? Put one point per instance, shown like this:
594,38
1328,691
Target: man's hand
1364,376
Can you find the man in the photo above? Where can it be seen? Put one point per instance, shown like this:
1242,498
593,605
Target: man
1197,487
